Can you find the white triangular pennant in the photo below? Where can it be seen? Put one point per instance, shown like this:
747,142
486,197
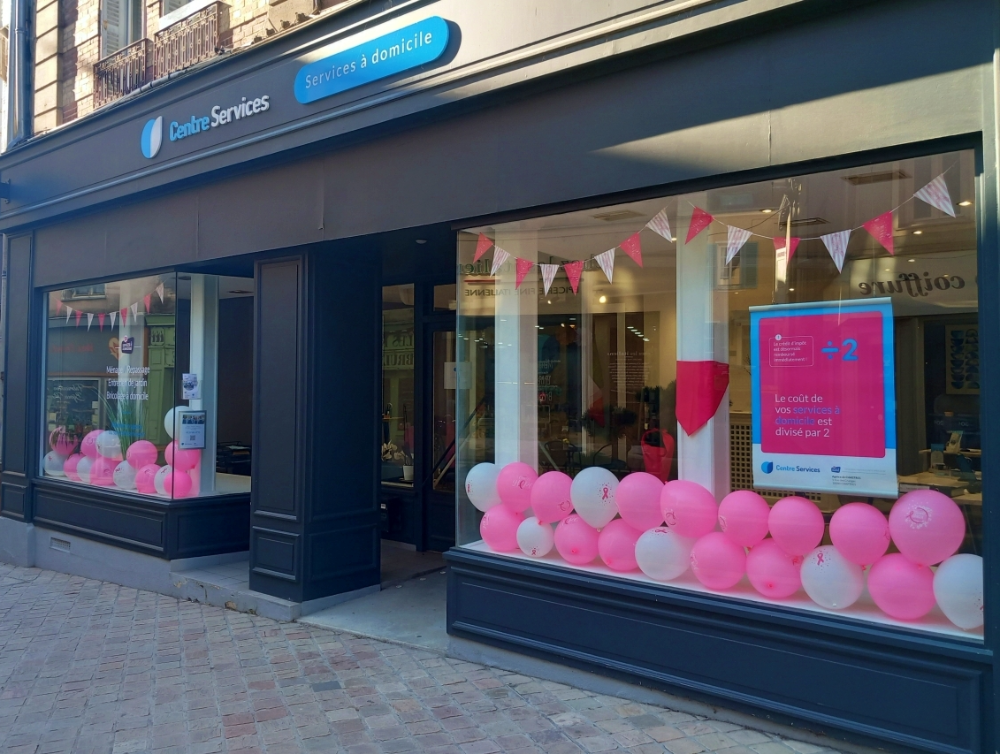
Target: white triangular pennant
499,257
90,320
734,242
69,310
836,244
936,194
548,274
661,225
114,316
159,292
135,311
606,261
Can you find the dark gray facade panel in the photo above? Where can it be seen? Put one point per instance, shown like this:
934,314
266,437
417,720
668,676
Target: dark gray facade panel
274,554
17,373
102,519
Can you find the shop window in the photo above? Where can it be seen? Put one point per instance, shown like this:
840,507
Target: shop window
769,392
132,376
398,397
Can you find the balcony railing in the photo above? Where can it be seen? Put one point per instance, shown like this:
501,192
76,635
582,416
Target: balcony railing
187,42
121,73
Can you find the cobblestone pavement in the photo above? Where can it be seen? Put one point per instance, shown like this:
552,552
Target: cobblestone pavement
88,666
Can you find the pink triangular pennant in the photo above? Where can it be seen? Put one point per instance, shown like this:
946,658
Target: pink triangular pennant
548,274
521,268
114,316
78,315
701,385
700,220
159,292
573,271
147,300
124,314
936,194
606,261
499,258
482,246
90,320
100,320
881,229
793,244
735,238
836,244
69,311
661,225
633,248
135,311
59,306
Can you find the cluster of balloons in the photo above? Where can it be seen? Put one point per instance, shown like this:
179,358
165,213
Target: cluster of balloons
100,463
663,530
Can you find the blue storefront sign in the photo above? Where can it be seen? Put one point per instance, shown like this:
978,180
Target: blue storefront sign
398,51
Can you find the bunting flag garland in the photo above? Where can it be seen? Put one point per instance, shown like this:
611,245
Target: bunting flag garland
606,260
78,315
633,247
836,244
135,311
521,268
661,225
548,274
735,238
147,300
499,257
59,306
700,220
159,292
90,320
482,246
124,313
793,244
100,320
881,229
701,386
69,310
114,316
573,271
936,194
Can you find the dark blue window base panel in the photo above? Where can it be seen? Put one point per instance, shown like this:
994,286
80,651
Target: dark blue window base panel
902,691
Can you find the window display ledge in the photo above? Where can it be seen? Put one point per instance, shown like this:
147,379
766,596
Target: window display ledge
868,682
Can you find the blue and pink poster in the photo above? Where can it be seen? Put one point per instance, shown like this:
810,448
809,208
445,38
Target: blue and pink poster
824,406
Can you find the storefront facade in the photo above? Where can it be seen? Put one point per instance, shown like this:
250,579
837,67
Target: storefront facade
560,243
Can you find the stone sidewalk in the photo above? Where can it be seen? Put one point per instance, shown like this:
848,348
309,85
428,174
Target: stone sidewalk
87,666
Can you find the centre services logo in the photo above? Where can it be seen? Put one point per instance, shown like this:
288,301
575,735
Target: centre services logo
152,137
767,467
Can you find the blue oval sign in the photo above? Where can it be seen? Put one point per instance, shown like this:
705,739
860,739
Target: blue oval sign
398,51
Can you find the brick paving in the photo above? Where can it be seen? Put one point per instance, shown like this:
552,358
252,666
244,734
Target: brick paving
88,666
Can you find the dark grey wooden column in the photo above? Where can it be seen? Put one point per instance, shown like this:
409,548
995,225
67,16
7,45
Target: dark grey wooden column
20,452
314,522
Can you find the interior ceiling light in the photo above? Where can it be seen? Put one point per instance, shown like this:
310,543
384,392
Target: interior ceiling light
791,289
602,300
965,203
864,179
911,260
767,211
918,232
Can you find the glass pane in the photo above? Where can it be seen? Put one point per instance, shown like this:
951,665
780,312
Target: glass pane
398,401
444,298
779,403
446,379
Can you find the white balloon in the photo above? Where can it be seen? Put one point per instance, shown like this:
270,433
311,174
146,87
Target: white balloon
663,555
534,538
481,486
593,496
830,579
168,423
109,446
83,469
958,589
160,478
124,476
53,464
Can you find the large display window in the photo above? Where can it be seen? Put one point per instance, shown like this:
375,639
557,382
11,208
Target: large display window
768,391
132,392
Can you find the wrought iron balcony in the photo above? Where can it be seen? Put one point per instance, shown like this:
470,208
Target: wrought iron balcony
187,42
121,73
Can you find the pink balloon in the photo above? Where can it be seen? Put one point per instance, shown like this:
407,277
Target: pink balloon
688,508
102,472
616,544
902,589
576,540
796,524
638,498
141,453
69,468
499,528
743,517
860,533
926,526
89,445
514,484
550,498
772,571
144,479
717,561
178,485
181,459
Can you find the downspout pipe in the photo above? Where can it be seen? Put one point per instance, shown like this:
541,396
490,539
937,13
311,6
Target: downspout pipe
19,99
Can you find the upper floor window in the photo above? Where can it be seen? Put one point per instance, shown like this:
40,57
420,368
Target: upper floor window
121,24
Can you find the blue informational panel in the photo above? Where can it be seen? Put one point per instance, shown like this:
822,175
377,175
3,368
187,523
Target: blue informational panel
824,400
